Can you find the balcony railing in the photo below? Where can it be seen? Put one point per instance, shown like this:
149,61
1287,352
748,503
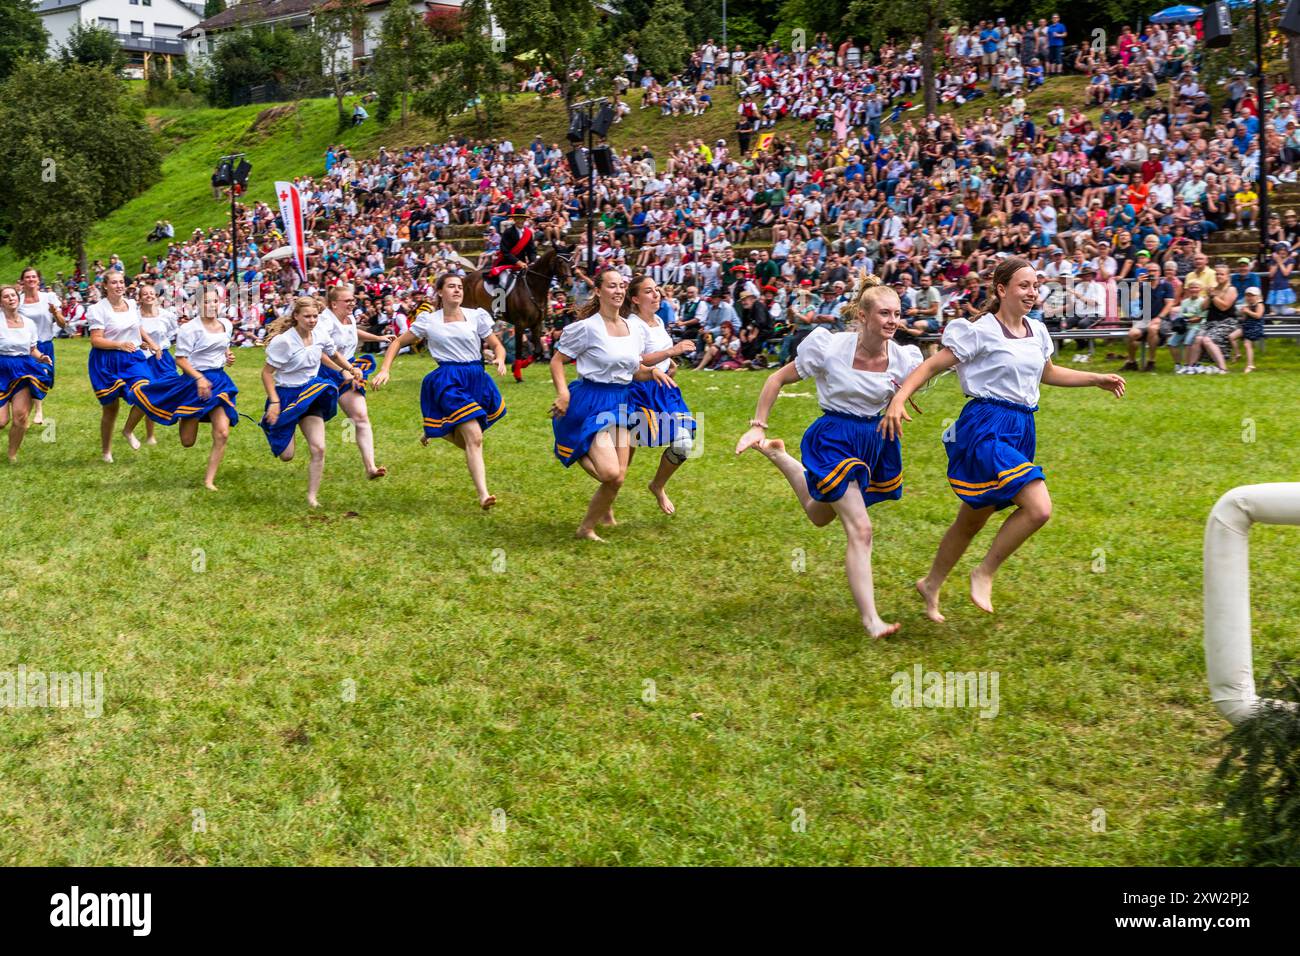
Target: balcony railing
150,44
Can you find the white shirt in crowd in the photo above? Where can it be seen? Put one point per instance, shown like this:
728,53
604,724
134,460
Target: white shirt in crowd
39,313
454,341
117,326
161,328
991,364
343,334
295,362
205,350
17,341
602,357
827,357
656,339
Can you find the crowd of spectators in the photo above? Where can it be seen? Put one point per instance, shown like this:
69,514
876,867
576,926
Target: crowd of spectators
758,242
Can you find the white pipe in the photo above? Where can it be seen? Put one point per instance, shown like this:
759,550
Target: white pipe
1227,590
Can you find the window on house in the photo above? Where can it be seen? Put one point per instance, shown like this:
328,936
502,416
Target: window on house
109,24
137,28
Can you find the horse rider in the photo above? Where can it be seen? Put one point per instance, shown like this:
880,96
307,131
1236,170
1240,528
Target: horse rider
518,250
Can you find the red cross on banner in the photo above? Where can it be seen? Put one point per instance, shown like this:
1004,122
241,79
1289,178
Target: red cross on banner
291,213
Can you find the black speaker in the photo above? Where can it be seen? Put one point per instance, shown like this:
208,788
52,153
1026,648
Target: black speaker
1218,24
241,172
603,120
579,164
577,127
1291,18
603,157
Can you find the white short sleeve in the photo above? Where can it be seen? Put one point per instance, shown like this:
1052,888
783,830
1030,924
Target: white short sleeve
811,358
420,326
573,339
963,340
910,358
95,318
484,323
186,338
279,351
327,345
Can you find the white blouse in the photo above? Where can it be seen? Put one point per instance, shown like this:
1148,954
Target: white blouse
602,357
454,341
39,313
116,326
205,350
343,334
991,364
827,357
17,341
656,339
296,363
161,328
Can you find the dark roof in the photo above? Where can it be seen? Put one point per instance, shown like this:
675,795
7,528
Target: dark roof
255,11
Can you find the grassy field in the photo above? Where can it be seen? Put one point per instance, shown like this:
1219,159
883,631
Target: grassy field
500,667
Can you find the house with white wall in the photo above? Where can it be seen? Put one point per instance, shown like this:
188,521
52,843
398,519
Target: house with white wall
149,31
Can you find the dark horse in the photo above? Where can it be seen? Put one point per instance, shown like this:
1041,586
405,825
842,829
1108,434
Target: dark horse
527,304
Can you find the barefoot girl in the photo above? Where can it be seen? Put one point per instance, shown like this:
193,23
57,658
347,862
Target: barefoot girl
458,398
847,465
337,322
589,418
117,362
203,392
26,373
1001,358
657,415
43,309
296,392
160,325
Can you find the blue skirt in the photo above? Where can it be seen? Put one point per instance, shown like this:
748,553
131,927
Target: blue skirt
112,373
162,366
22,371
593,407
344,383
317,397
47,348
990,457
459,392
839,449
170,399
657,414
1283,296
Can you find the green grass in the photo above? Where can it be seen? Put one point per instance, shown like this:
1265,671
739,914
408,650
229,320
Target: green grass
522,689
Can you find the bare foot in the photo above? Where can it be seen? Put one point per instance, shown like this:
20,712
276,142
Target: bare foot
13,459
882,630
666,506
981,591
210,486
588,534
313,502
771,446
108,457
131,440
607,520
377,473
931,596
38,421
487,503
424,440
151,440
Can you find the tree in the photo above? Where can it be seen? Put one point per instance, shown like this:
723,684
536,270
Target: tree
93,46
467,73
82,149
402,60
289,60
881,18
662,46
339,28
22,35
212,7
556,31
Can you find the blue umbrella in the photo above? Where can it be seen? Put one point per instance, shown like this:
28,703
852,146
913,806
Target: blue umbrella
1179,14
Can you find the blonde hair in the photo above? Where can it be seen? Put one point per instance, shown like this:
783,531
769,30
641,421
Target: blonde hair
290,319
866,298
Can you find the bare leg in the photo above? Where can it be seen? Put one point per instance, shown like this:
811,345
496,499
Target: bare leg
658,484
38,412
470,434
313,429
128,430
955,541
857,559
22,409
354,406
1216,354
220,435
107,419
1033,509
819,513
149,437
1250,355
607,520
606,461
1193,352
